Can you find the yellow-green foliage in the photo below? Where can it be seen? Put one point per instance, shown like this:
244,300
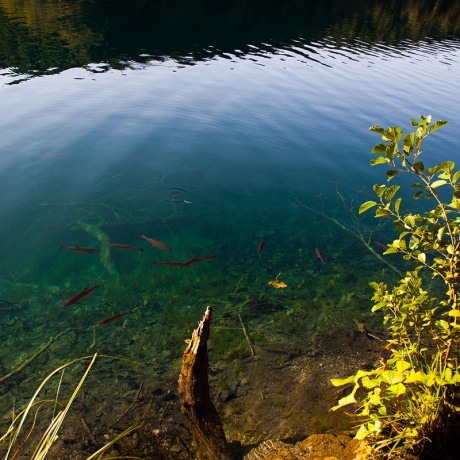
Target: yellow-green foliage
411,400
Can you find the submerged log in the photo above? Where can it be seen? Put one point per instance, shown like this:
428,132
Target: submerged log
205,423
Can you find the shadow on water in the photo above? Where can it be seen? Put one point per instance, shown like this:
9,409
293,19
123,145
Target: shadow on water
49,37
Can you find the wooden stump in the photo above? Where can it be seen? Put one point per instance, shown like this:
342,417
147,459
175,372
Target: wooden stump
197,406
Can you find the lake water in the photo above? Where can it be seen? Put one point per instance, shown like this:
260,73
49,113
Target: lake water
210,129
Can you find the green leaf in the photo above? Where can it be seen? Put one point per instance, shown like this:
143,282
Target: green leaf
362,433
448,166
379,189
392,377
436,126
397,204
417,195
402,366
390,192
438,183
455,177
408,141
379,149
382,212
379,161
455,313
397,390
377,129
391,173
367,205
418,166
422,257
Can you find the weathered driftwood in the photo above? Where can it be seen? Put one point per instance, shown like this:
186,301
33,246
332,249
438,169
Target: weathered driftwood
194,395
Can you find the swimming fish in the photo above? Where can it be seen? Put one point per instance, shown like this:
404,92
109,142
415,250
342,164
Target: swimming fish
319,254
157,243
80,249
125,246
113,318
48,229
79,296
259,248
186,263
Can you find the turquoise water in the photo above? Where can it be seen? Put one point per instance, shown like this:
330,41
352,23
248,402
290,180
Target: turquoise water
209,143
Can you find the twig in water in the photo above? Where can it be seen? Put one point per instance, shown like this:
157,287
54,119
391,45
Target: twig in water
130,407
32,358
247,337
238,284
86,427
357,233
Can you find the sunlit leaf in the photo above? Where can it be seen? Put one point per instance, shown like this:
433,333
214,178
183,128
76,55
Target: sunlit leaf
382,212
397,204
377,129
392,377
379,149
390,192
379,161
402,366
436,126
379,189
397,390
367,205
362,433
422,257
438,183
455,177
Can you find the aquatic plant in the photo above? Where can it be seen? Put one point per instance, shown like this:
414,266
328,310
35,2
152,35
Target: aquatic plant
410,404
11,438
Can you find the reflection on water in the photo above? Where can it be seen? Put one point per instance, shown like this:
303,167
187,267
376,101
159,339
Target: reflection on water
49,37
209,130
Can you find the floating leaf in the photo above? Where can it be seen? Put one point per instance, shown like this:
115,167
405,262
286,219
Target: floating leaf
276,283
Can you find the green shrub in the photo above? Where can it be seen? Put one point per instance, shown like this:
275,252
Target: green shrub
411,402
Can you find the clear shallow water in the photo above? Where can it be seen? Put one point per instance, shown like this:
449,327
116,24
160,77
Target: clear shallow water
207,143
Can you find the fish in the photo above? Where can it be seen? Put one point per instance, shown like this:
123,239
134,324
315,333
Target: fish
259,248
111,319
157,244
319,254
79,296
80,249
382,245
125,246
186,263
48,229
